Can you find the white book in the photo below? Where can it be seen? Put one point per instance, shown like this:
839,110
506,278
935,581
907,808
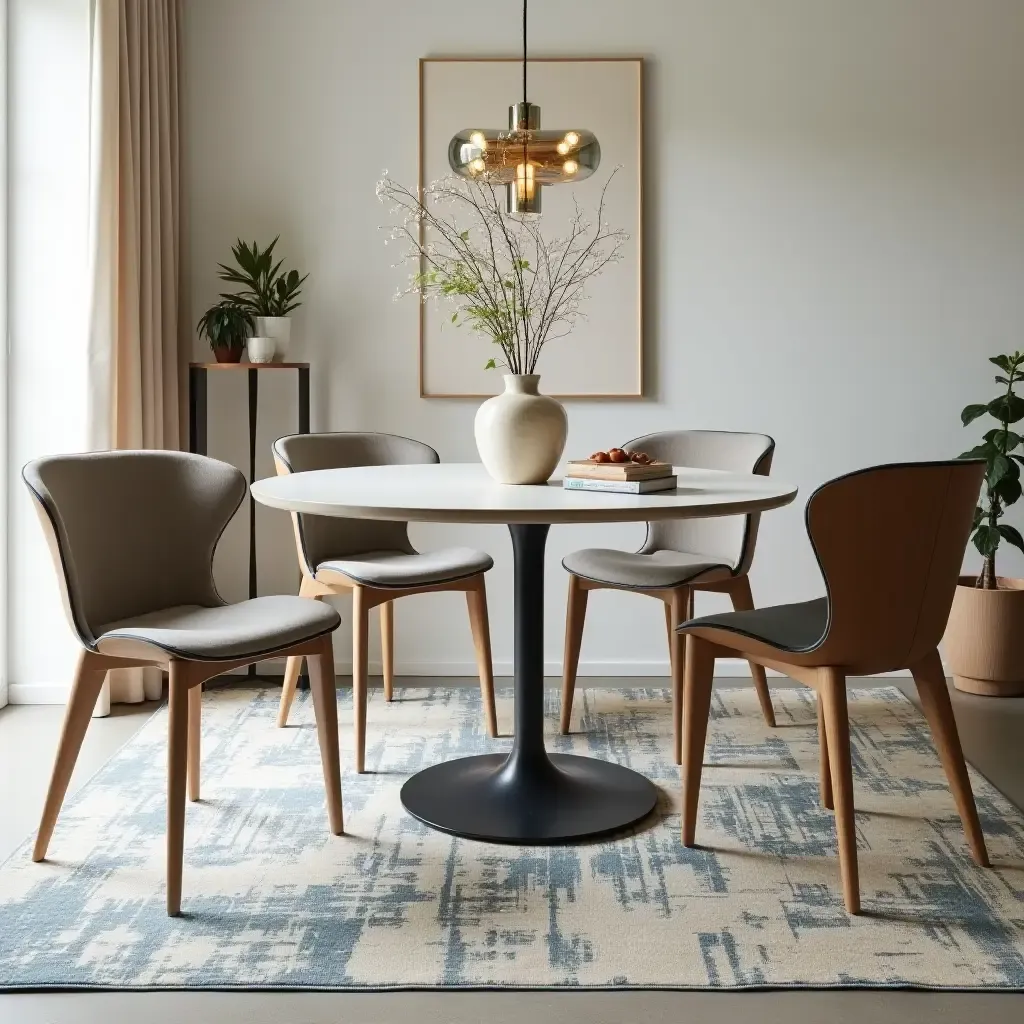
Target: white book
576,483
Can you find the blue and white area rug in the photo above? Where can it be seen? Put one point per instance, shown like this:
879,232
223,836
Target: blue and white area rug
272,900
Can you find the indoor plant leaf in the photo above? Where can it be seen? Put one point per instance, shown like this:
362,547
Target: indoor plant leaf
1003,362
1007,408
1012,535
972,412
998,467
986,540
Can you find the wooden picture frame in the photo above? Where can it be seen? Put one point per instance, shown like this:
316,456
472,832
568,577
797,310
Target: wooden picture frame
572,92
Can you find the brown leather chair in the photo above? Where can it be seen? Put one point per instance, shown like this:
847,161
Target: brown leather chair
889,542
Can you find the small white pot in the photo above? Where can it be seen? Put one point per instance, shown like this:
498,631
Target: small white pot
277,327
261,350
520,434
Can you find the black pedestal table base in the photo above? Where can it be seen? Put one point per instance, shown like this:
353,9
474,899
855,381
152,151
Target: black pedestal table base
528,796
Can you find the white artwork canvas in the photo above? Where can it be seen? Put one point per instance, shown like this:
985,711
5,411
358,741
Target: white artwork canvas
603,356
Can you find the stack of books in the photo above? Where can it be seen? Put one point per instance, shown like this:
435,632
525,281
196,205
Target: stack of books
619,477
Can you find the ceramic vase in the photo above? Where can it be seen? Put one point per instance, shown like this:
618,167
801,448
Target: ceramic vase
261,349
520,434
280,329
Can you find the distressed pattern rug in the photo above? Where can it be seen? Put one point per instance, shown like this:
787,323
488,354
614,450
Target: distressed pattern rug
272,900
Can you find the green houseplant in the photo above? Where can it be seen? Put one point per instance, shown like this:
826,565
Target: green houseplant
226,326
985,634
268,292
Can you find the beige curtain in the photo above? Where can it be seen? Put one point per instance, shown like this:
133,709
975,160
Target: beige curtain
138,344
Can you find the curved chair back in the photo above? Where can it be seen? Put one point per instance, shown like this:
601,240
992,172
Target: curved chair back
730,539
890,542
133,532
322,537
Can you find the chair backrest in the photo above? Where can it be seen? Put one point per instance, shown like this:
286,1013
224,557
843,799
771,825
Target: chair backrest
890,542
730,539
322,537
133,532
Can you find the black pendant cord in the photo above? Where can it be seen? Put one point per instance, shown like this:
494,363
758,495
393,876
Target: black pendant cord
524,53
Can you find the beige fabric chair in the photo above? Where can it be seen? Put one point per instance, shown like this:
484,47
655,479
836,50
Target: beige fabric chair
376,562
677,558
889,542
132,534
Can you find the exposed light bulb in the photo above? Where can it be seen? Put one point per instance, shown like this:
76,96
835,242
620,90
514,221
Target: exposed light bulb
526,183
478,140
570,167
572,139
563,148
477,165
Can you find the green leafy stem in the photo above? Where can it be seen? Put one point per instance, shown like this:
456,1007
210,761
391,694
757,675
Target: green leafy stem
1002,466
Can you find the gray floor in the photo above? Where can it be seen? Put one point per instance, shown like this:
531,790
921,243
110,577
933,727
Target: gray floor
992,732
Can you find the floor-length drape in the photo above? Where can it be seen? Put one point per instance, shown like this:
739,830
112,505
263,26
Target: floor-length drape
137,344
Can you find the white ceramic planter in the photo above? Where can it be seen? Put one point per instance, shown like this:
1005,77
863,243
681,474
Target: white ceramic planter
521,433
261,350
279,328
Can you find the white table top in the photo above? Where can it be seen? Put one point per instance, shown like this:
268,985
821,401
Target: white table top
464,493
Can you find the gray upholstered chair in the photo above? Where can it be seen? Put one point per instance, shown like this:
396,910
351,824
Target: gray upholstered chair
677,558
889,543
376,562
132,535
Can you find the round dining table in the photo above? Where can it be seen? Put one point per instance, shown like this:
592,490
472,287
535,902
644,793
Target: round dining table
528,796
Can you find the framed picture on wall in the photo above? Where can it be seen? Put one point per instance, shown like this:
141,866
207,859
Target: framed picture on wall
602,357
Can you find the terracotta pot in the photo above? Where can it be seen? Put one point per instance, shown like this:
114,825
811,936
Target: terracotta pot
984,639
223,354
521,433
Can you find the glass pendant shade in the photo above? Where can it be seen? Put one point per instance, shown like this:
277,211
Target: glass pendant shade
524,158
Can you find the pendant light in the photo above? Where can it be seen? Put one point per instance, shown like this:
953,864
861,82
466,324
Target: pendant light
524,158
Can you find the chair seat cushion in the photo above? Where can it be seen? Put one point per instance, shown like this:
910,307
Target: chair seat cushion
795,628
402,569
656,570
262,625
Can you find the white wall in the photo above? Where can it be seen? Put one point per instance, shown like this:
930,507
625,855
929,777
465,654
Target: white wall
835,243
48,181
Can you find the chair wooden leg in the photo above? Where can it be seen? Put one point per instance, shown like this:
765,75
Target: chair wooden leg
293,666
743,601
292,671
387,648
832,693
177,760
931,686
85,691
678,610
824,772
325,709
476,599
575,617
195,727
698,680
360,628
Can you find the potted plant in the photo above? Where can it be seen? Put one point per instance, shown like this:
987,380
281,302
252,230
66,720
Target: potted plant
985,635
512,284
226,326
269,293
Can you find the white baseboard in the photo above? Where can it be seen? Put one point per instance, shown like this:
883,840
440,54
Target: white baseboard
726,668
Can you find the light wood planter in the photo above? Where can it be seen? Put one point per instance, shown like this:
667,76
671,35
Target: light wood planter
985,638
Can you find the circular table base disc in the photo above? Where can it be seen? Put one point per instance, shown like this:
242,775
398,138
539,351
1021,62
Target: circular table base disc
486,798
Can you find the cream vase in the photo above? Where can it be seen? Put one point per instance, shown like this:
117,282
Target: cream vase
984,639
280,329
520,433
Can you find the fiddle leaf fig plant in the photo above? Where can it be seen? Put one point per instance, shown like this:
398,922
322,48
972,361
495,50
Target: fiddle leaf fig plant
1001,450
